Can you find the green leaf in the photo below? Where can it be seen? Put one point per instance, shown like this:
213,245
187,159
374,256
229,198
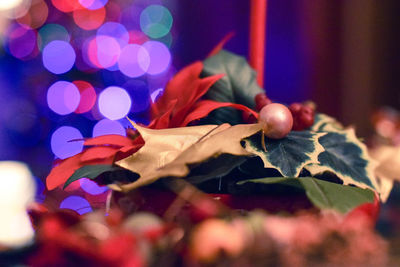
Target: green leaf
325,195
90,172
239,86
347,158
288,155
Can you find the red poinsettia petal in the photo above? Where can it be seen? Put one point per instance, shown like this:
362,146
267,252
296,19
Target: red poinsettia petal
60,173
202,88
163,121
130,148
178,88
127,151
98,152
205,84
204,107
110,139
221,44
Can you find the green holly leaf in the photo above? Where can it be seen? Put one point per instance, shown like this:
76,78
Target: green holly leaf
91,172
324,195
288,155
239,85
347,158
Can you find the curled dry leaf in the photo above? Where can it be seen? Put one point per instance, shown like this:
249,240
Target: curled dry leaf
168,152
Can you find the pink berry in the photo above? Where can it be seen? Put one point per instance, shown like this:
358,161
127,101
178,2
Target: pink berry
276,120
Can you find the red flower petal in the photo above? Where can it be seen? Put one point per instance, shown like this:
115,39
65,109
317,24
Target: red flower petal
60,173
204,107
201,89
98,152
163,121
110,139
179,87
221,44
127,151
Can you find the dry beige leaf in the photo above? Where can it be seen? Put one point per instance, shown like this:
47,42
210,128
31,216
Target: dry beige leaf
388,168
388,158
168,152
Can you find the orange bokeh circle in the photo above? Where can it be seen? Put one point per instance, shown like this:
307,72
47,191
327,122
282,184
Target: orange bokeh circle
89,19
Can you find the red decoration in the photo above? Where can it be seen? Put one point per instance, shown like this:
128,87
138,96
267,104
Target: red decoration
258,16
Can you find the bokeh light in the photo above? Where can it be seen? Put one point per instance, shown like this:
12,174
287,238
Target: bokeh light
66,5
113,11
115,30
91,187
134,60
36,15
88,96
51,32
156,21
140,95
100,60
76,203
160,57
108,51
93,4
14,9
21,41
106,126
114,103
63,97
156,94
89,53
137,37
62,143
167,40
58,57
89,19
10,4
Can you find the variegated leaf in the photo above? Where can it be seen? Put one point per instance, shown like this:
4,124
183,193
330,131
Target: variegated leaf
347,158
288,155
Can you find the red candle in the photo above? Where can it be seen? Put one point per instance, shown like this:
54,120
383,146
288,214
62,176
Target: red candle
258,16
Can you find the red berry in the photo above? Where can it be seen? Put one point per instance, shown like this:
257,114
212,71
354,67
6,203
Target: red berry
247,117
261,100
303,116
295,107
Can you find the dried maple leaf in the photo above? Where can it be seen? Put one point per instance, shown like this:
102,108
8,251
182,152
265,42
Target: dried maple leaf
168,152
